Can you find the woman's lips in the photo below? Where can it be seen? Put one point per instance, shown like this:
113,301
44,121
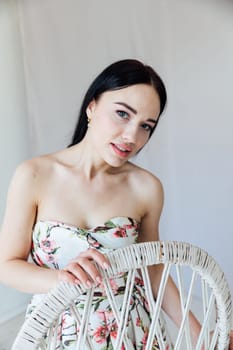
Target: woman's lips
121,149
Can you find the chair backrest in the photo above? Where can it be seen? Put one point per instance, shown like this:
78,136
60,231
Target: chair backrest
195,272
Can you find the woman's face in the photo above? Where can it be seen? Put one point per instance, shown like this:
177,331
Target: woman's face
121,121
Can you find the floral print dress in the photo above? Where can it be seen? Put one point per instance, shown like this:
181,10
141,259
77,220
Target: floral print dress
56,243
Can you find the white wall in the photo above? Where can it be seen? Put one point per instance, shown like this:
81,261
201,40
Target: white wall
14,145
192,151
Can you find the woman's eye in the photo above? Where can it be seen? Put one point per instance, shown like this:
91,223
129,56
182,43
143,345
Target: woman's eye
123,114
147,127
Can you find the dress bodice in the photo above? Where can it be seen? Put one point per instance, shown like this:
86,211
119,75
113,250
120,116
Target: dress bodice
56,243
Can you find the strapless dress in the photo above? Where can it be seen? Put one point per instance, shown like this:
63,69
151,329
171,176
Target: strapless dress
55,243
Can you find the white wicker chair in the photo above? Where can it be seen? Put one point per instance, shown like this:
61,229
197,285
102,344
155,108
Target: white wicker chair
205,274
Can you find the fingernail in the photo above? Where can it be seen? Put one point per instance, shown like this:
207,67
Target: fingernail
89,284
98,279
106,266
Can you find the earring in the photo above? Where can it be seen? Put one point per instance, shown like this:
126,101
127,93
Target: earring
88,121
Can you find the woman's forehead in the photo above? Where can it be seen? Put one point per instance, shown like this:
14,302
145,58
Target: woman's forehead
140,97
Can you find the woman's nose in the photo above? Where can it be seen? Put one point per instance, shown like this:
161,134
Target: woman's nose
130,134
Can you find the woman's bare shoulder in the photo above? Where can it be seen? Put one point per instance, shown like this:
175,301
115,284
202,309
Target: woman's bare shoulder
35,171
144,180
148,188
150,195
35,166
44,170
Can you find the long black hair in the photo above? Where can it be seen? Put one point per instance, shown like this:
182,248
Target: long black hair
119,75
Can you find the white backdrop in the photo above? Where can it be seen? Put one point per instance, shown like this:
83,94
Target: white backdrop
14,134
190,42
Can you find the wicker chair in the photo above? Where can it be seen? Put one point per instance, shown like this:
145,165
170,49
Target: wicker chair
207,280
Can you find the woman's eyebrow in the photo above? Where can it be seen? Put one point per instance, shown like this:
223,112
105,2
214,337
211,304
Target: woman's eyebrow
127,106
134,111
152,120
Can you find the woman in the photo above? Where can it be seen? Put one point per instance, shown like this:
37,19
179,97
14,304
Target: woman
70,207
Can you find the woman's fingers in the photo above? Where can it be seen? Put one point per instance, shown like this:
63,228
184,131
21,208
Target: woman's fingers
83,268
96,256
86,274
66,276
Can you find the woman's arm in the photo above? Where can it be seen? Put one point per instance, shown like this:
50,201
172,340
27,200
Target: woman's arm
16,234
149,232
23,200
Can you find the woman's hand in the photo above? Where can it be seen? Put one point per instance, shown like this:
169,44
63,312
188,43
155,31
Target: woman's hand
83,270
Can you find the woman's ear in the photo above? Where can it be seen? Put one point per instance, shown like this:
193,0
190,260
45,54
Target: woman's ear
90,109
